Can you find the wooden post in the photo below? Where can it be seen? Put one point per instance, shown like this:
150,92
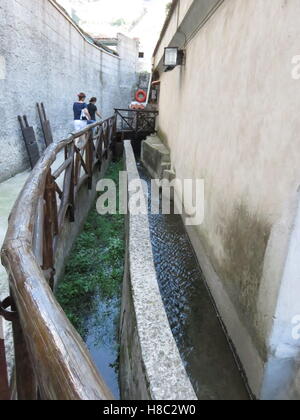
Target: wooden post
66,152
90,159
25,378
76,167
99,148
72,191
54,207
26,384
49,222
4,386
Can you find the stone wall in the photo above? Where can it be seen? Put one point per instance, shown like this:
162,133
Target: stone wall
230,116
45,58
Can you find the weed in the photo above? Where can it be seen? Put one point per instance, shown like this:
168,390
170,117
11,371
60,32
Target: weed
95,266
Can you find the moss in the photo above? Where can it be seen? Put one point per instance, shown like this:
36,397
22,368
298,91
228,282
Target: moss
95,266
163,136
245,242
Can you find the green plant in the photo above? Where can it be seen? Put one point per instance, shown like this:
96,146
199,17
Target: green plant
95,266
168,7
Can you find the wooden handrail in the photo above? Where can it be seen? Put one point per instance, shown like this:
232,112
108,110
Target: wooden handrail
137,121
51,360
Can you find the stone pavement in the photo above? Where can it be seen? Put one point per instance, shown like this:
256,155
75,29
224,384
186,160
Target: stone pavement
9,191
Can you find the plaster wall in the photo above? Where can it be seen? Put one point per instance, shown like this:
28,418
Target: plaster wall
230,116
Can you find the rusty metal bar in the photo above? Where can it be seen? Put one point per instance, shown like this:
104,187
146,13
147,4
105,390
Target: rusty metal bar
8,315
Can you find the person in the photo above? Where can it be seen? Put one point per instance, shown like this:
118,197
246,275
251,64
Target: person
81,113
93,110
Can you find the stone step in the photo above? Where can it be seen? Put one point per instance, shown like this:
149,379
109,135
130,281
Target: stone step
155,156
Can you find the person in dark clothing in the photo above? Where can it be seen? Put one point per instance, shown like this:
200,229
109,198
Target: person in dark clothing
93,110
81,114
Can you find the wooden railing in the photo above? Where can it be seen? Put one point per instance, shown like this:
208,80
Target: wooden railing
51,360
136,121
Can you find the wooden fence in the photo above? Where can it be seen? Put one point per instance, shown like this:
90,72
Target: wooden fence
51,360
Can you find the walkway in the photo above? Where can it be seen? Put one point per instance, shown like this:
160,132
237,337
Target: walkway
9,191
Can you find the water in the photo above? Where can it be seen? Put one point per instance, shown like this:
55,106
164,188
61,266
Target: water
90,292
200,338
102,342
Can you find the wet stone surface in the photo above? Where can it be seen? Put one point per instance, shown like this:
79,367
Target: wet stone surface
201,341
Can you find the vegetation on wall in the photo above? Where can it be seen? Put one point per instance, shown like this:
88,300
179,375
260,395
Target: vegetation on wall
168,7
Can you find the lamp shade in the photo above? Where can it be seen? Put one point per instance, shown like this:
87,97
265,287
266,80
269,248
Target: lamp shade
171,56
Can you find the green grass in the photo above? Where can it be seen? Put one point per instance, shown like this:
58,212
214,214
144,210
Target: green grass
95,266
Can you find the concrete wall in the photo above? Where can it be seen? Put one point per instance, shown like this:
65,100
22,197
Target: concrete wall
44,58
230,115
150,363
128,50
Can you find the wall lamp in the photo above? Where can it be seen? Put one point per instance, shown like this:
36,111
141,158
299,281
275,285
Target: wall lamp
173,57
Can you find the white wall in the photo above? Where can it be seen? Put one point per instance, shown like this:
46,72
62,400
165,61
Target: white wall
128,50
231,116
44,58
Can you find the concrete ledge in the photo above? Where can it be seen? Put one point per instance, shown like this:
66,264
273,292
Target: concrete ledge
155,157
150,364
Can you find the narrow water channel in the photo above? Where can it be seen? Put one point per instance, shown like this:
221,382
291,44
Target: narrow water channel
90,292
102,340
200,338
